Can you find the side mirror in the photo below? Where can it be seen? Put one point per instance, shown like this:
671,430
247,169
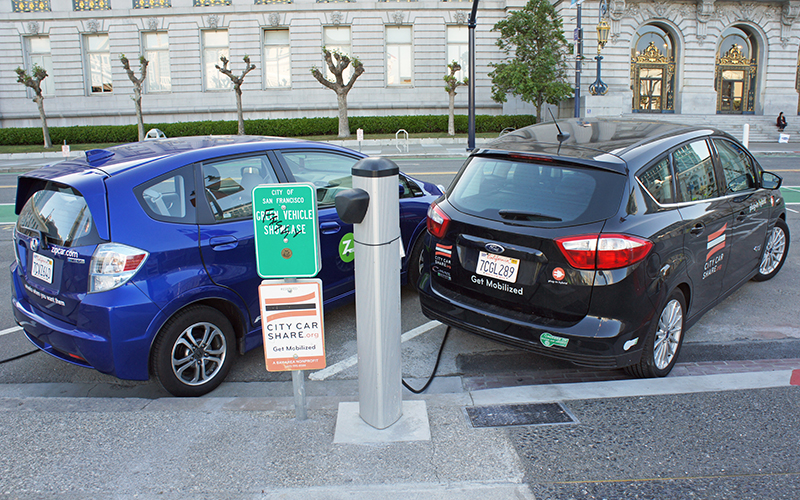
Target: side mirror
770,180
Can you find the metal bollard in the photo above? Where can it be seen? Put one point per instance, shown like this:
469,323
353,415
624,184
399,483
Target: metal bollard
372,206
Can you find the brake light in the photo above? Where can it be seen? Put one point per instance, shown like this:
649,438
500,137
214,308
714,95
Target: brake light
603,252
437,221
113,264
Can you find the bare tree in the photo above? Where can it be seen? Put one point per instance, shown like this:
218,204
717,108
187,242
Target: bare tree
451,84
237,85
337,69
137,89
34,81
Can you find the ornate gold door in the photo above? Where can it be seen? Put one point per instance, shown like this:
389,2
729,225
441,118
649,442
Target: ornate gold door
735,82
652,74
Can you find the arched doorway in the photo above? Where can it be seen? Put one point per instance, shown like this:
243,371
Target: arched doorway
737,70
653,71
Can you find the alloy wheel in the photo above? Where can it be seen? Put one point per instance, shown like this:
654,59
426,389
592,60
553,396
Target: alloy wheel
199,353
668,334
773,254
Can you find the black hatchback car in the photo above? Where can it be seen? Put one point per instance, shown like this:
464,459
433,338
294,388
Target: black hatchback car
600,241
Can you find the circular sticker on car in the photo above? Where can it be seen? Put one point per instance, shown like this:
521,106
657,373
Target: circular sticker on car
558,274
347,248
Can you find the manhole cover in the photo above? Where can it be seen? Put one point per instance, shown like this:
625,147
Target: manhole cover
519,414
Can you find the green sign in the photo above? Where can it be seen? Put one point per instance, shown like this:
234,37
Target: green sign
286,230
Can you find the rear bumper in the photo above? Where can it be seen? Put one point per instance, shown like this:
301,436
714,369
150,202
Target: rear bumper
593,341
110,334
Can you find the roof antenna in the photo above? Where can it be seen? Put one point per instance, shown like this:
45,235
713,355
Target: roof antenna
562,136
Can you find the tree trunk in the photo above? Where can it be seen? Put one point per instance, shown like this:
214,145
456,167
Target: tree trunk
137,100
344,123
239,110
451,120
45,131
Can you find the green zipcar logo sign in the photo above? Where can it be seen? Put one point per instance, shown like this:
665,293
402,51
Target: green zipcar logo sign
550,340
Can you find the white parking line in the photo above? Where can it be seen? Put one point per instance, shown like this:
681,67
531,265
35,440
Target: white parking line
353,360
10,330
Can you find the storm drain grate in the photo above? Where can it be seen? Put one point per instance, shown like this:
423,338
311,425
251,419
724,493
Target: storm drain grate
519,414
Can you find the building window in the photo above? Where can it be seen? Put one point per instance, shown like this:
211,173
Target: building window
277,59
335,38
81,5
209,3
156,50
399,55
98,57
215,45
458,49
38,51
30,5
151,4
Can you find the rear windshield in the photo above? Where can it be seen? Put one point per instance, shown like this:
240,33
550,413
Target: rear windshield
535,193
60,214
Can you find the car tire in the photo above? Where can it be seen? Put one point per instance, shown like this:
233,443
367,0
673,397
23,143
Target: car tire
776,248
664,339
416,262
194,351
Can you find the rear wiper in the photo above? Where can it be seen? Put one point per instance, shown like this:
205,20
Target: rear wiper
518,215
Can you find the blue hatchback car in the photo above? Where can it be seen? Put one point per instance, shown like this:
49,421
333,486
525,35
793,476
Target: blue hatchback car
140,259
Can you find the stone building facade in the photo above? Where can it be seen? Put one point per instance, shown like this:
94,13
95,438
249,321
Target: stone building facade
701,57
694,58
404,46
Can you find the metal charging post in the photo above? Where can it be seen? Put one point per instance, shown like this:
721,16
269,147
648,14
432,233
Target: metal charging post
372,206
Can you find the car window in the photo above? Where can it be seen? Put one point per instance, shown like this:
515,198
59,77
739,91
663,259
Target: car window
229,184
410,188
60,214
329,172
169,197
695,172
658,181
736,166
528,192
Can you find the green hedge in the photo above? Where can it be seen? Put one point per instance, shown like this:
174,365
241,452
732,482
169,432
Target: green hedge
288,127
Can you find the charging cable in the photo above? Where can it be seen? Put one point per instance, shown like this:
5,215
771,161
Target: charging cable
435,367
19,356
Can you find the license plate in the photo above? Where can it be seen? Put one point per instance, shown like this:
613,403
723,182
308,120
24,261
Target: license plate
42,268
498,266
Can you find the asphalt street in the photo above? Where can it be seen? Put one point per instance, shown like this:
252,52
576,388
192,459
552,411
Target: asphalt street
723,425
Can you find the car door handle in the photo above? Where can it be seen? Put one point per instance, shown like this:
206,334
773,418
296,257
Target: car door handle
698,228
329,227
221,243
742,216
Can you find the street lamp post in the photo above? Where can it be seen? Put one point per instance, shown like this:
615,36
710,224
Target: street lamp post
471,83
603,29
578,57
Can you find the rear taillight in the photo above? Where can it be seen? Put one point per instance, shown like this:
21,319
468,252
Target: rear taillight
437,221
113,264
603,252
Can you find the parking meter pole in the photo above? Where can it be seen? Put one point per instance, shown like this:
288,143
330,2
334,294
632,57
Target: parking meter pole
377,271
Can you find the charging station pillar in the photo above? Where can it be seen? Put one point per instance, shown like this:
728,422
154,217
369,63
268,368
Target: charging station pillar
373,207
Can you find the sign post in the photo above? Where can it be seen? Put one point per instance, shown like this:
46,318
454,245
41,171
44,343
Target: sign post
287,247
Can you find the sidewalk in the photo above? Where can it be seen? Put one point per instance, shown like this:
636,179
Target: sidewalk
244,441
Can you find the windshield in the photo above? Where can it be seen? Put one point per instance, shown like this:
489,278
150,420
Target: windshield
60,214
538,194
